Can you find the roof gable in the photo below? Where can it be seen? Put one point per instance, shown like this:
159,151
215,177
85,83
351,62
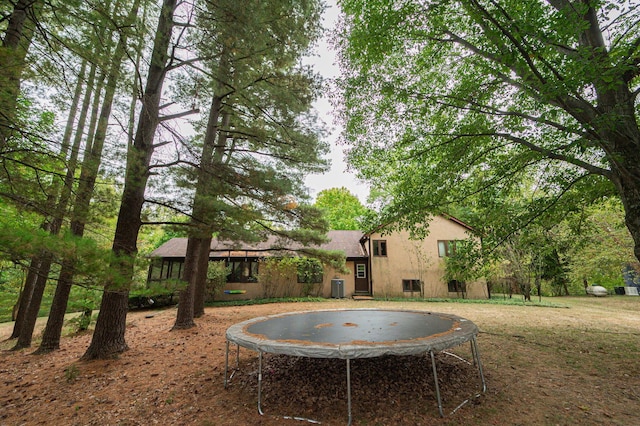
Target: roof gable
446,216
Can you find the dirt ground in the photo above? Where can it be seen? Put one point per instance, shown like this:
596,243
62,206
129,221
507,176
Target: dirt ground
576,364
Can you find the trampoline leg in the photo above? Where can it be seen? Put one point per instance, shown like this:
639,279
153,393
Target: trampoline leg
476,360
228,377
349,389
260,383
435,379
226,366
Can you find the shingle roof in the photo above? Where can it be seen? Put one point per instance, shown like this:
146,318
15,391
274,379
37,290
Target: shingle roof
345,241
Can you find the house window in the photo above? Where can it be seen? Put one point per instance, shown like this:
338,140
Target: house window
166,269
361,270
456,286
242,270
411,285
174,270
379,247
446,247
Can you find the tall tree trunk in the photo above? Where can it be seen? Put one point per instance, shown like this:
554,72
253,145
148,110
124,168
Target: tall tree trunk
185,315
53,329
26,333
200,278
25,295
211,160
31,314
14,49
109,335
36,262
88,176
186,305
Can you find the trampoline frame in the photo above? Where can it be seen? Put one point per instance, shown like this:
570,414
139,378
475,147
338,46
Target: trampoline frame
237,335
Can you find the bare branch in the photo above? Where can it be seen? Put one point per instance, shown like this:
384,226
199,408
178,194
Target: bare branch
179,114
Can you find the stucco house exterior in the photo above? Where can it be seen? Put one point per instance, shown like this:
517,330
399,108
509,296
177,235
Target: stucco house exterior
380,264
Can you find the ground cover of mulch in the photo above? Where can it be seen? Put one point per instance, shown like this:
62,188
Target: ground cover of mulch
576,364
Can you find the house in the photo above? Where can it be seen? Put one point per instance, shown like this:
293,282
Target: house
381,264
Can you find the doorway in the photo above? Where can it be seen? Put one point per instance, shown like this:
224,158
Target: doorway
361,277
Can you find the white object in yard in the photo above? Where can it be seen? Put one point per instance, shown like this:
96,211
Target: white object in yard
597,290
631,291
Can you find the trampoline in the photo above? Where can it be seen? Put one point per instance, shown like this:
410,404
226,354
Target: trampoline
354,333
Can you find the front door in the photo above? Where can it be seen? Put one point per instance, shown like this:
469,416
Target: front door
361,276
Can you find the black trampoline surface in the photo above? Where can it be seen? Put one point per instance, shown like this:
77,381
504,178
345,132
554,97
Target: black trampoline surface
353,333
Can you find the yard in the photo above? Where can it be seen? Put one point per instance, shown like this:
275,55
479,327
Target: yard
575,363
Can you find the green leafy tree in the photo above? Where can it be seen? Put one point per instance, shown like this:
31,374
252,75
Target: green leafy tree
310,273
464,264
341,208
259,125
277,276
448,99
601,247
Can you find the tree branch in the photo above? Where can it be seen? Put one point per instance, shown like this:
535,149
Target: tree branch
561,157
179,114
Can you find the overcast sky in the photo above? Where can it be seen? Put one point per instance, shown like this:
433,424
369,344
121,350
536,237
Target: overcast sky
326,64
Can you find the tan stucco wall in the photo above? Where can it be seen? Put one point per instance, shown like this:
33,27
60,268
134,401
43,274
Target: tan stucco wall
254,290
349,280
417,259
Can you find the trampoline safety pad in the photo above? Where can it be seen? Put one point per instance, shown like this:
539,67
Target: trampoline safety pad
355,333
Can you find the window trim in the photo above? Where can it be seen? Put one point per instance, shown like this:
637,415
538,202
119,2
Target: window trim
361,267
380,248
458,286
253,265
409,285
446,247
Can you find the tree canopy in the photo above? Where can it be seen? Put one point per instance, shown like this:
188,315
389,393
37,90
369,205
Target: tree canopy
126,76
473,102
341,208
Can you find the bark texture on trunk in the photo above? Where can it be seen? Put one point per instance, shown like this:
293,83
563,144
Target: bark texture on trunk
25,296
109,335
31,314
200,279
184,317
13,52
198,246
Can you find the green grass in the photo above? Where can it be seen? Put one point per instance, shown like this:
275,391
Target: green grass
266,301
516,301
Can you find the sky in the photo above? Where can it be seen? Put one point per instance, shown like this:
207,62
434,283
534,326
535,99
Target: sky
325,63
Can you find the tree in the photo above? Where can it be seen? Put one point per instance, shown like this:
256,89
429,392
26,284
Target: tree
602,246
342,209
259,126
463,264
446,99
90,165
15,45
109,335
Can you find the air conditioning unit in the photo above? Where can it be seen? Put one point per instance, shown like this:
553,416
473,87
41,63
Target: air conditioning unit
337,288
